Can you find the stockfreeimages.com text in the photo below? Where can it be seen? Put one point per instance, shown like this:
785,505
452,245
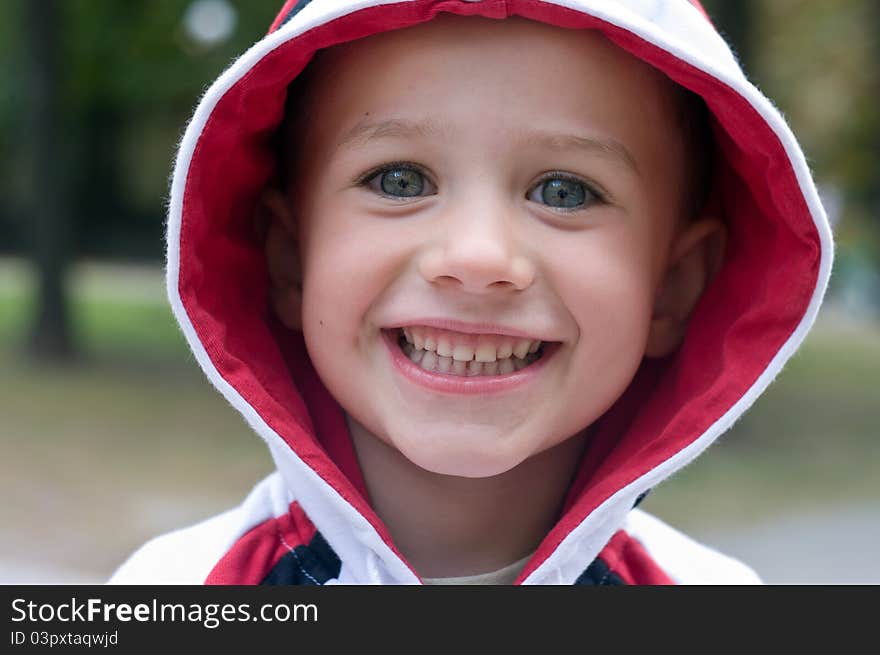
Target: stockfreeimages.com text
210,615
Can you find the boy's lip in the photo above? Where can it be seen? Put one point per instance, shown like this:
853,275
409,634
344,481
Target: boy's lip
464,327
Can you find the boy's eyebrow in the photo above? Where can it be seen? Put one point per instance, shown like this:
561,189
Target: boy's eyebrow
366,131
606,147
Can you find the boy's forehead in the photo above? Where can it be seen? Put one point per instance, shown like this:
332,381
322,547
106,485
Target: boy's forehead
440,81
515,36
478,45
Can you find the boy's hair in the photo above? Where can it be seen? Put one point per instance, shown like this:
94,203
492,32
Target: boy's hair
699,149
690,111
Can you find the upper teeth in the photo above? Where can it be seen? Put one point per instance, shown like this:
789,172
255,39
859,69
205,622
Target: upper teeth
466,347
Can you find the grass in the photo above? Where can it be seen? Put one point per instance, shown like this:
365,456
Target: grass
131,440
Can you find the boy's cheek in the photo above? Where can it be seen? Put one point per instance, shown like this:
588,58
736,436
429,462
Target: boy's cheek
337,296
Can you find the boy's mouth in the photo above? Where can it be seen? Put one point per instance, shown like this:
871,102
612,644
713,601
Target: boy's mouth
476,358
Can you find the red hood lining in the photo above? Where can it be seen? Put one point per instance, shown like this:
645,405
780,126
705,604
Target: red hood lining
751,309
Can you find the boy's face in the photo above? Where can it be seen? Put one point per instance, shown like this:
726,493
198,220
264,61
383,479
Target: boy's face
501,172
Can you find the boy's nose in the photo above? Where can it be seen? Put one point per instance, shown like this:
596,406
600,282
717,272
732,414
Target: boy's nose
479,255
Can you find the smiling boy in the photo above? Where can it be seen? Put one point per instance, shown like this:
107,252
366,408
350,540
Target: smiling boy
492,218
505,306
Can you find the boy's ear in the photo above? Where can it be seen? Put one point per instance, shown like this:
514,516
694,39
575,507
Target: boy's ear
695,257
282,258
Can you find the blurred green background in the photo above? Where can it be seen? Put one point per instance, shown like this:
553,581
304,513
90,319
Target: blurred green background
109,433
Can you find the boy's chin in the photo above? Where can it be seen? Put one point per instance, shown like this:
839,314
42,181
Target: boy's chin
463,462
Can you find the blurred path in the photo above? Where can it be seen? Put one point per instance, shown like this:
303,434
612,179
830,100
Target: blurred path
21,572
837,547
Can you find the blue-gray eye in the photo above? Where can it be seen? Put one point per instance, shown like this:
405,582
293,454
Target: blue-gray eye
401,182
560,192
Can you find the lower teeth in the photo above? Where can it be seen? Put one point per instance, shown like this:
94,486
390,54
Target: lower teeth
431,361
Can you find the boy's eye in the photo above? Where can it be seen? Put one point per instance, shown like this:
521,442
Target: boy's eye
561,193
400,182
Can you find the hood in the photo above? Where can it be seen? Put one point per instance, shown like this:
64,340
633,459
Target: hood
755,314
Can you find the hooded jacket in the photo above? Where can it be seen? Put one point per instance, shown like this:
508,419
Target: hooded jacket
310,522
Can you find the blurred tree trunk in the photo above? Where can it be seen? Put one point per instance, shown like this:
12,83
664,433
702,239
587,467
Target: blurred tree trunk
874,200
735,21
47,200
